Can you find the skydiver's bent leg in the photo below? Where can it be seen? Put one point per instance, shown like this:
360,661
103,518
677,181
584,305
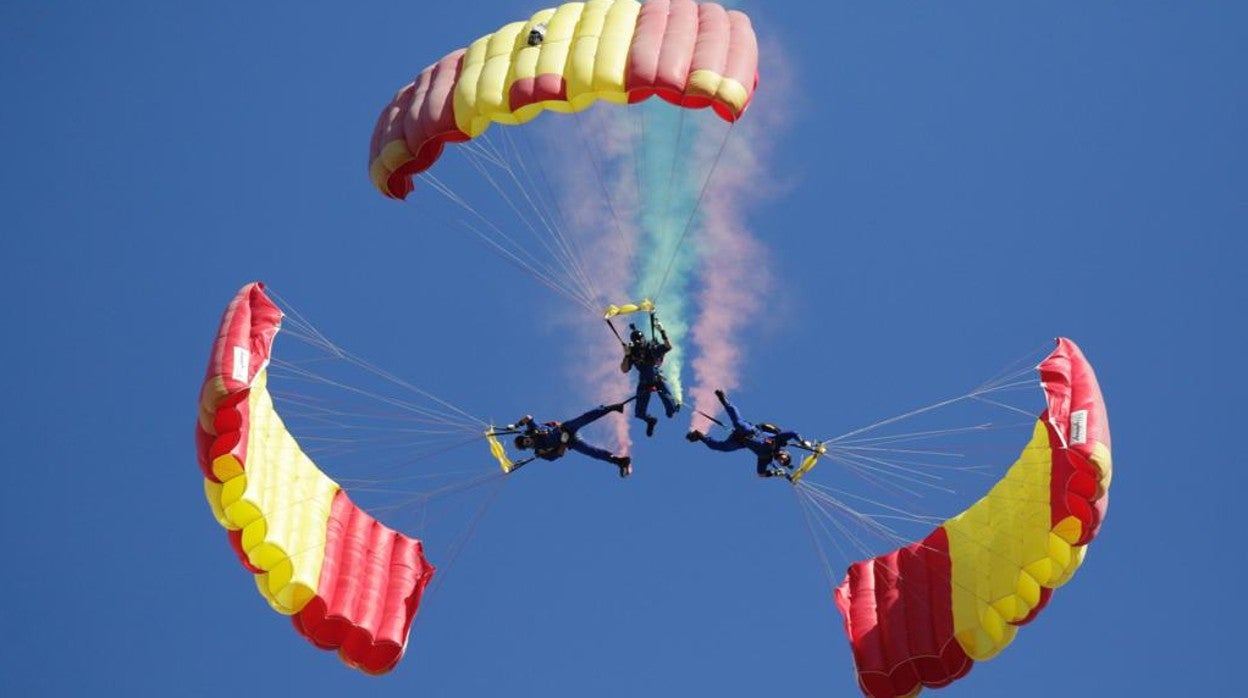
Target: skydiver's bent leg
641,408
725,445
624,463
592,451
593,415
670,406
734,415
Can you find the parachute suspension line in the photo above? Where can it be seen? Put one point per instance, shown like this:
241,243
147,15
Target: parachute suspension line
693,212
425,474
414,499
973,395
569,253
461,541
665,209
474,153
830,506
602,183
821,490
464,422
530,266
808,518
384,375
821,511
563,251
561,256
424,414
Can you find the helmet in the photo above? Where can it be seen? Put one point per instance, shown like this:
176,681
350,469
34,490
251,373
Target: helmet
524,441
784,457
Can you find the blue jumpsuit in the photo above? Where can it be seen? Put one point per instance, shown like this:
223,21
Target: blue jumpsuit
552,440
650,380
746,435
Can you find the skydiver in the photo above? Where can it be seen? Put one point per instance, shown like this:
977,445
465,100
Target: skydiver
766,441
647,357
551,440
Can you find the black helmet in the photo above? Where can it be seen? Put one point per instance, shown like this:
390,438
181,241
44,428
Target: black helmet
784,457
524,441
636,336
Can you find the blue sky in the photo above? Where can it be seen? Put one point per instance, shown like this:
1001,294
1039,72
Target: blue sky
959,184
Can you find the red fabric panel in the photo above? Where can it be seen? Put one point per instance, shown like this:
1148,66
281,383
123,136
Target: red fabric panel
250,321
1045,594
662,50
1071,386
899,617
236,542
422,115
371,582
547,86
741,63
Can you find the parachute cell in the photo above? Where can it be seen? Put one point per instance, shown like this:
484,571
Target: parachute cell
349,583
689,54
921,615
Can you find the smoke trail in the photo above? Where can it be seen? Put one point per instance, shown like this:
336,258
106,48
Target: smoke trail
670,177
598,197
735,273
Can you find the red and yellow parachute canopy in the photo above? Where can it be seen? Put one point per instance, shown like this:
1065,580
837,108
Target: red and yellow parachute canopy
690,54
922,615
348,582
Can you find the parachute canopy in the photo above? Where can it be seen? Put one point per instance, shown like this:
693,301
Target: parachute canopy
348,582
690,54
921,615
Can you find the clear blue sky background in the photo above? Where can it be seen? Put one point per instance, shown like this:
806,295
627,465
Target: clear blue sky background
966,182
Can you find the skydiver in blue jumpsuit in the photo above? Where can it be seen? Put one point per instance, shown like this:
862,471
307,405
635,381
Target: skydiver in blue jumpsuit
766,441
551,440
647,357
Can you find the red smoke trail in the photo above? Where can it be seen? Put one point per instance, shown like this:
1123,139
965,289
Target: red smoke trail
735,270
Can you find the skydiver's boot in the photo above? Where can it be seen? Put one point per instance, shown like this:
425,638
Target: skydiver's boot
624,463
720,394
694,435
617,407
650,422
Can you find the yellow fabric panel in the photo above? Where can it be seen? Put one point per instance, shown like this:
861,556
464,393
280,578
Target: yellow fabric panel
600,53
212,490
480,94
720,88
281,502
1104,462
212,393
393,156
585,43
1003,550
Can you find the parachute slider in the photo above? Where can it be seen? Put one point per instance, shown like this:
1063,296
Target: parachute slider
816,450
499,453
612,310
